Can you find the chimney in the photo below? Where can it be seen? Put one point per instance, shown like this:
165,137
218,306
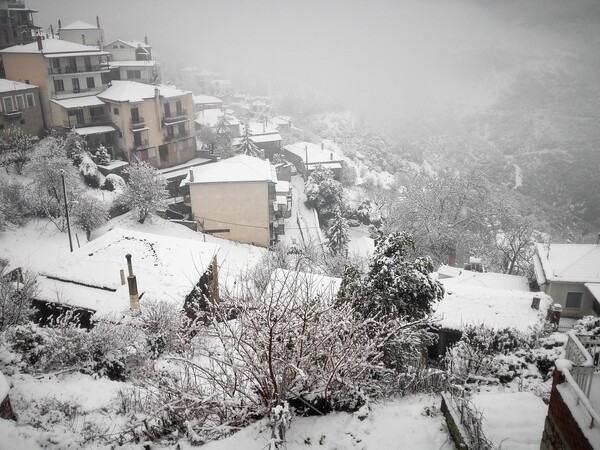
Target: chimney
331,156
97,22
322,145
191,175
52,31
83,38
59,24
134,299
40,44
156,93
146,40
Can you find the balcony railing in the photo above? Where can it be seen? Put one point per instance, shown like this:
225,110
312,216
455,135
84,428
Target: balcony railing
77,69
175,116
67,93
175,136
141,144
137,121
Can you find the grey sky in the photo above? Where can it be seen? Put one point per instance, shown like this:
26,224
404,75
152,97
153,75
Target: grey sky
376,55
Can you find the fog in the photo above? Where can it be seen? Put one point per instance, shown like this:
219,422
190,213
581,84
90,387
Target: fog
377,57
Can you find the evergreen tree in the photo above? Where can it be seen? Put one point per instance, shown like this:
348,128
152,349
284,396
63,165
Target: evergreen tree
146,191
247,146
394,285
324,193
102,155
16,148
337,235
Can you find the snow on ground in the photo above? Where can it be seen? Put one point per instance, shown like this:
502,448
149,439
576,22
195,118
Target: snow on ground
514,420
412,422
361,244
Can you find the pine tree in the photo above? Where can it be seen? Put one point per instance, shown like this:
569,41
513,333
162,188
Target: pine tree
337,235
146,191
102,155
247,146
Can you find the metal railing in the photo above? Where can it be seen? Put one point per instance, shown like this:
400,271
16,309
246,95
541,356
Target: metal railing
175,116
173,137
77,69
137,121
143,143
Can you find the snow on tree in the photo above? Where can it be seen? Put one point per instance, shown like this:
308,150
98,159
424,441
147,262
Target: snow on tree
337,235
89,213
17,289
47,166
394,286
89,171
223,145
247,145
324,193
146,191
16,148
14,203
102,155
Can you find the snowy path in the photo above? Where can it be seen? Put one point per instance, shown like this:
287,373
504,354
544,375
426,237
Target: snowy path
302,227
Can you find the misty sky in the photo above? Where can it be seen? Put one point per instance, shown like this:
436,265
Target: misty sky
375,55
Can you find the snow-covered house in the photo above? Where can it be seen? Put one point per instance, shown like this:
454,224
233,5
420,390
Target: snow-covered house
202,102
570,274
235,199
89,280
81,32
210,117
307,157
264,136
489,280
121,50
466,304
61,70
20,105
155,122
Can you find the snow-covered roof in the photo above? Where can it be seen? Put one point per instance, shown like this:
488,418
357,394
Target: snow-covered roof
316,155
97,129
210,118
79,102
303,285
133,44
260,128
471,305
280,120
132,91
79,25
276,137
594,289
166,269
50,46
445,271
282,186
8,85
575,263
182,169
237,169
490,280
206,99
132,63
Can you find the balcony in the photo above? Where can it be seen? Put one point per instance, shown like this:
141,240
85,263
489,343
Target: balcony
12,114
175,136
75,93
77,69
175,117
137,122
141,144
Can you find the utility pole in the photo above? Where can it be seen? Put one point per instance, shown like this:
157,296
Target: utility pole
62,176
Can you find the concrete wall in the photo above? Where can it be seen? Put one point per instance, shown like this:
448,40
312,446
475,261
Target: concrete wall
29,68
30,120
558,292
242,207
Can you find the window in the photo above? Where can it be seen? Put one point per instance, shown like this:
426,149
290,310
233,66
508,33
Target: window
116,111
134,74
574,300
163,152
181,127
8,104
56,63
79,117
30,100
135,115
178,108
90,82
87,61
137,138
170,131
72,64
59,85
20,101
76,87
167,110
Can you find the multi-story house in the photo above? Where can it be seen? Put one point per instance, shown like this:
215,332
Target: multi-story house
154,122
235,199
16,24
132,60
82,33
20,106
60,69
121,50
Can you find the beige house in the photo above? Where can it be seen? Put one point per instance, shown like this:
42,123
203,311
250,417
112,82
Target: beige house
20,106
154,122
234,199
570,274
60,69
307,157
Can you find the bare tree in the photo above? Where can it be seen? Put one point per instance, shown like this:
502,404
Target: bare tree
146,191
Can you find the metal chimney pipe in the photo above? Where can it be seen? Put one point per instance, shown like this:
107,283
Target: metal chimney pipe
134,299
83,38
129,265
40,45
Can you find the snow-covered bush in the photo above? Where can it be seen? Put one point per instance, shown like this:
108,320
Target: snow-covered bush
89,171
114,182
324,193
102,156
16,148
146,191
89,214
588,326
14,202
15,298
164,326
